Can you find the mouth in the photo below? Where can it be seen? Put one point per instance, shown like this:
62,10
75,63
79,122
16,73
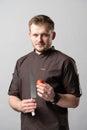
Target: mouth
40,43
40,47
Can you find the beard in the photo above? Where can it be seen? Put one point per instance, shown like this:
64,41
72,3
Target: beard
42,50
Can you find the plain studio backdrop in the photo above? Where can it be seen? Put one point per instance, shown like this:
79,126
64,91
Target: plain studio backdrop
70,17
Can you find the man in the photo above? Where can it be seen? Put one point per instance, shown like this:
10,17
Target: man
60,89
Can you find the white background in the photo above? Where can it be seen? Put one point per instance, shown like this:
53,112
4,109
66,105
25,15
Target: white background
70,17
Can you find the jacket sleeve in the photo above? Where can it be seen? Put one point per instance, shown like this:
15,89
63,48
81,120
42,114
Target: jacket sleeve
71,78
15,83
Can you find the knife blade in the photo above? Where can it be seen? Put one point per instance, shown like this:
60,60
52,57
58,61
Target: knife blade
32,88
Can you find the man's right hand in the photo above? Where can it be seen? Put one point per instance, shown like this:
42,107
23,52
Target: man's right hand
25,106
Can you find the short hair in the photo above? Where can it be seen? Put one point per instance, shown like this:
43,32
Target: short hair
42,19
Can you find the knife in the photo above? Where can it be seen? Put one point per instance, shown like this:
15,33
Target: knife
32,88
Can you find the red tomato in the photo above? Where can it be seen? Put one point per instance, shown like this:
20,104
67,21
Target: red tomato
39,81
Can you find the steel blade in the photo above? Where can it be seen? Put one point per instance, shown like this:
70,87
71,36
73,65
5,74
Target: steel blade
32,86
32,89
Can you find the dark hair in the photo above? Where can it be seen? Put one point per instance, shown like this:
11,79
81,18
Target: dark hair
42,19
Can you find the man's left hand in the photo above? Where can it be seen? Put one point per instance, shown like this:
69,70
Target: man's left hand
45,91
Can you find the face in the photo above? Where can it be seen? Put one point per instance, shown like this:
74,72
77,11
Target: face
41,37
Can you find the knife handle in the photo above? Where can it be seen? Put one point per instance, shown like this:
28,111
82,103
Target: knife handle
33,113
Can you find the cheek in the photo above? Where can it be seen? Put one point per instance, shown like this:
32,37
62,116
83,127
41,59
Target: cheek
33,40
47,40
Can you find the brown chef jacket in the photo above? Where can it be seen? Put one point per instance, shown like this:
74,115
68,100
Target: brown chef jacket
58,70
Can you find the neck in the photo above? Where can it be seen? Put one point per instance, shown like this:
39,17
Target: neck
38,52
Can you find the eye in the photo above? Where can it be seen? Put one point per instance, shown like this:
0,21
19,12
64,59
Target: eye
45,35
35,35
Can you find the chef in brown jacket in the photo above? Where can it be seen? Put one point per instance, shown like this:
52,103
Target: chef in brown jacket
60,89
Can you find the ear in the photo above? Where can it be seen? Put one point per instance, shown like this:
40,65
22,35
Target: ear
54,35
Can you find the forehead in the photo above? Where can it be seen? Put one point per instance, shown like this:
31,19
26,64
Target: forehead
39,27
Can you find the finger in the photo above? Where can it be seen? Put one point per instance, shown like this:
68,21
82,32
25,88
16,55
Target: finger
41,85
28,105
29,108
26,101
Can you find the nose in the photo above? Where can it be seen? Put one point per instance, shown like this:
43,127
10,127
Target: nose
39,38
